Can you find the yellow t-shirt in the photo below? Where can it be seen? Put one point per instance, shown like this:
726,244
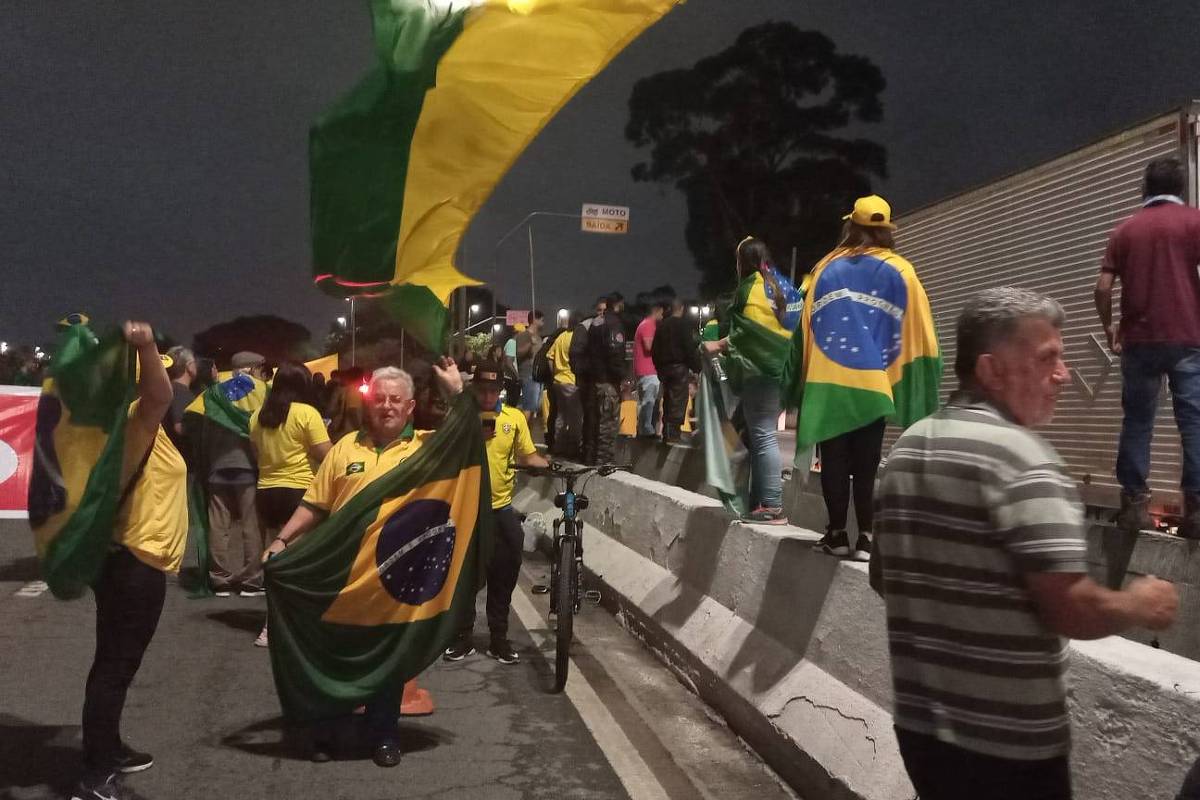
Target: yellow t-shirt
559,357
283,451
153,522
512,439
354,462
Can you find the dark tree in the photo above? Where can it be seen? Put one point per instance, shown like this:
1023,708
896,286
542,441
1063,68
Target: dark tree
751,137
275,338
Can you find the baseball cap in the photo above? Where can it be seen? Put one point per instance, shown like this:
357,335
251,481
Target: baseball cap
871,211
246,358
488,373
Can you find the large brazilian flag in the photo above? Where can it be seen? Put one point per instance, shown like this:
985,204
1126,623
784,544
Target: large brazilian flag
401,164
224,406
77,480
869,347
372,596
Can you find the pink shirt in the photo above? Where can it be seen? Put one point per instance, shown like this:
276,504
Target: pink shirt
643,364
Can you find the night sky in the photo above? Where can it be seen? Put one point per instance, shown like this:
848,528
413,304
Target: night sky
154,154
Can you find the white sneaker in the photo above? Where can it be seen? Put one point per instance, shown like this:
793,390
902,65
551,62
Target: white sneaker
261,641
108,789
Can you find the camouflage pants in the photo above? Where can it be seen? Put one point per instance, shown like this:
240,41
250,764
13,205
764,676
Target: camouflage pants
608,422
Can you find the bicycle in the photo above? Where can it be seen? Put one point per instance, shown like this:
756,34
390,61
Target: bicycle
566,565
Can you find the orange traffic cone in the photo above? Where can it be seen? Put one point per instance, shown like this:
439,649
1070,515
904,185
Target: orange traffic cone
415,702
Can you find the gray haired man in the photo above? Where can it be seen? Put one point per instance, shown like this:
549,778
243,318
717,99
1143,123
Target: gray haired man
981,559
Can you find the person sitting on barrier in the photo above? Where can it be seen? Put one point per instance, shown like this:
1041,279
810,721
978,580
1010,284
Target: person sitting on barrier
506,432
981,559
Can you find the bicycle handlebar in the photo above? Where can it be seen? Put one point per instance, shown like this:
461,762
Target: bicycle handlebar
560,470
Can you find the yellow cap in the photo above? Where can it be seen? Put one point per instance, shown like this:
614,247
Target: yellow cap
166,360
871,212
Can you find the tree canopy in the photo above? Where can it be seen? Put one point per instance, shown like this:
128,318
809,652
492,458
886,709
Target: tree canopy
272,337
755,138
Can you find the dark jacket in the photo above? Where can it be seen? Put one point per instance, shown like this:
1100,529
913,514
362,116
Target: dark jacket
675,343
606,350
578,354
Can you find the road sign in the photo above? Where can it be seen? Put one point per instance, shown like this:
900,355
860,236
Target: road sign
517,317
597,218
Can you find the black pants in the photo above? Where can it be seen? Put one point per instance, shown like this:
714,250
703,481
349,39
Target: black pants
503,570
852,455
275,507
941,771
568,406
675,379
551,417
591,423
129,601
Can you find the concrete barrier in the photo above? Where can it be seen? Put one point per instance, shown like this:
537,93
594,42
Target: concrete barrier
789,646
1114,556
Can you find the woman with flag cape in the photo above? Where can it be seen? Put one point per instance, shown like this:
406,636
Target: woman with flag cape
108,510
869,355
756,345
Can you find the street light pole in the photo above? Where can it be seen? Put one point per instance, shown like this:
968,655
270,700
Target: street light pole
532,289
496,249
353,335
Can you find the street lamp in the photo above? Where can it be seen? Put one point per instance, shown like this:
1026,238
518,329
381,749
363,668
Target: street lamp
497,327
706,310
695,311
3,348
341,321
474,308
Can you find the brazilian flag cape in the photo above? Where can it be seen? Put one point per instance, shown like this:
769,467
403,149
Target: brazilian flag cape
76,484
227,405
867,347
373,595
758,344
400,165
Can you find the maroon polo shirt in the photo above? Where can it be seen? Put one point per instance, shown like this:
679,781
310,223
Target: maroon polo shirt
1156,254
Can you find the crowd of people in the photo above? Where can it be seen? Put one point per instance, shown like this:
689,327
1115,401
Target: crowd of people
973,529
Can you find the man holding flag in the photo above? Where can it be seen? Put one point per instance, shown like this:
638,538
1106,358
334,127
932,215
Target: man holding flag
368,579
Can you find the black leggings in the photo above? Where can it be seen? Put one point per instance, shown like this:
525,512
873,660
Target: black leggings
129,600
852,455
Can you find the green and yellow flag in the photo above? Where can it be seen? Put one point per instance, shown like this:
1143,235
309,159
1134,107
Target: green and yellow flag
759,341
869,347
402,163
77,480
372,596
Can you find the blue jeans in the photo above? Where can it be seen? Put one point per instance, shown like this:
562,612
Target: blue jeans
761,409
647,405
531,396
1142,370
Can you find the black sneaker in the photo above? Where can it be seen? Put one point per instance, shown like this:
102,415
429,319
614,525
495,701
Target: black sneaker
103,787
130,761
503,652
1134,515
862,548
833,543
459,650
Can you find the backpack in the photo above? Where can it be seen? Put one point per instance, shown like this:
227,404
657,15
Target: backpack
543,371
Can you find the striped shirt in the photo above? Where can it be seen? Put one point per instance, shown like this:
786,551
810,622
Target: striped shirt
969,502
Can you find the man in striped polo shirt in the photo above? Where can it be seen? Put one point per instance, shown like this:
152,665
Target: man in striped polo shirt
981,559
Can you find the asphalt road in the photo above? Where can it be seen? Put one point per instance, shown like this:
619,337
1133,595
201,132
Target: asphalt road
204,705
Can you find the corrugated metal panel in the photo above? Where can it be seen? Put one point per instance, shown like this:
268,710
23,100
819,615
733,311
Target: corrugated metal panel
1046,229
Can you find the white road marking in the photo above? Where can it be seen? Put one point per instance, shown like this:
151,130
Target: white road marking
31,589
636,776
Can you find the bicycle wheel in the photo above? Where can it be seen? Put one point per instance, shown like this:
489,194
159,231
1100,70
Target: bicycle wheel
564,592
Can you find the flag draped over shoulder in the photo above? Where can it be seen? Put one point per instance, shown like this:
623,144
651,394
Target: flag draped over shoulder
869,347
76,485
228,405
726,464
401,164
759,345
370,597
